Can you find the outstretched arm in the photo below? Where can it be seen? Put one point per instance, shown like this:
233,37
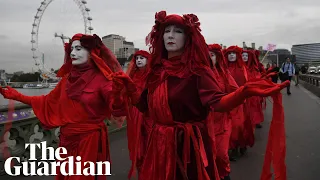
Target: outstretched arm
257,87
10,93
211,95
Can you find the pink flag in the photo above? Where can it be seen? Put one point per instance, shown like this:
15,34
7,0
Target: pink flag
271,47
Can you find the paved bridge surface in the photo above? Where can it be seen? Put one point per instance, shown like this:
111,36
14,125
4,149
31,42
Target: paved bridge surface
302,121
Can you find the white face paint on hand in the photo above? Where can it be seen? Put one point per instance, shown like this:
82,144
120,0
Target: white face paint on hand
232,57
79,54
174,38
245,56
141,61
213,57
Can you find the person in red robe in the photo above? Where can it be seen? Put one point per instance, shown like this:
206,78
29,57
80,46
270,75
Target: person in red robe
180,92
139,128
263,72
260,65
80,102
254,103
239,72
221,125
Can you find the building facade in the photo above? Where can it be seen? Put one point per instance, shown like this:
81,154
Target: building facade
119,46
279,56
307,53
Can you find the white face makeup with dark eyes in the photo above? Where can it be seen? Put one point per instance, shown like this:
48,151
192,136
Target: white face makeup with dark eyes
79,54
174,38
141,61
232,57
213,57
245,56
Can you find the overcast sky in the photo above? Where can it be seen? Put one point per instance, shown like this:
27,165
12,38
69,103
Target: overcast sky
282,22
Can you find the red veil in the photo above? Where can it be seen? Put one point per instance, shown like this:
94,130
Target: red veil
235,68
195,56
100,54
133,70
252,63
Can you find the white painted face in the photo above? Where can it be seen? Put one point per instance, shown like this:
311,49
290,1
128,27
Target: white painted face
232,57
213,57
174,38
79,54
245,56
141,61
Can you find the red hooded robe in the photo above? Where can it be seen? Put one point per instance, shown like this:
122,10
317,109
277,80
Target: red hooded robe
221,126
180,93
139,128
254,103
241,125
80,103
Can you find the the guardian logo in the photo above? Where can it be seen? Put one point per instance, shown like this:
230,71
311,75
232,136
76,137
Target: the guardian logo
67,166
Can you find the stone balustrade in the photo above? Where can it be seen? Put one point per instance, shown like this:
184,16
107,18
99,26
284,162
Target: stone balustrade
23,128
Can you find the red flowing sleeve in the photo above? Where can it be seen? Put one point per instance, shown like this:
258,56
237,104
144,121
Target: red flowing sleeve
208,89
106,94
51,109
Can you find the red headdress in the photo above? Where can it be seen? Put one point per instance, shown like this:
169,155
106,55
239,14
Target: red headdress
132,66
221,63
195,55
101,56
139,76
252,63
236,50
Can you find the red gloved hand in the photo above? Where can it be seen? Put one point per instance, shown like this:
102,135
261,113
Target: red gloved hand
127,81
124,80
10,93
118,84
258,87
263,87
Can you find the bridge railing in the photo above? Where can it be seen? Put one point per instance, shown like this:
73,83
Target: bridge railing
311,82
311,79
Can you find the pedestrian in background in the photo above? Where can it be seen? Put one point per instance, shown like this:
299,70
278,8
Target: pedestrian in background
287,71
